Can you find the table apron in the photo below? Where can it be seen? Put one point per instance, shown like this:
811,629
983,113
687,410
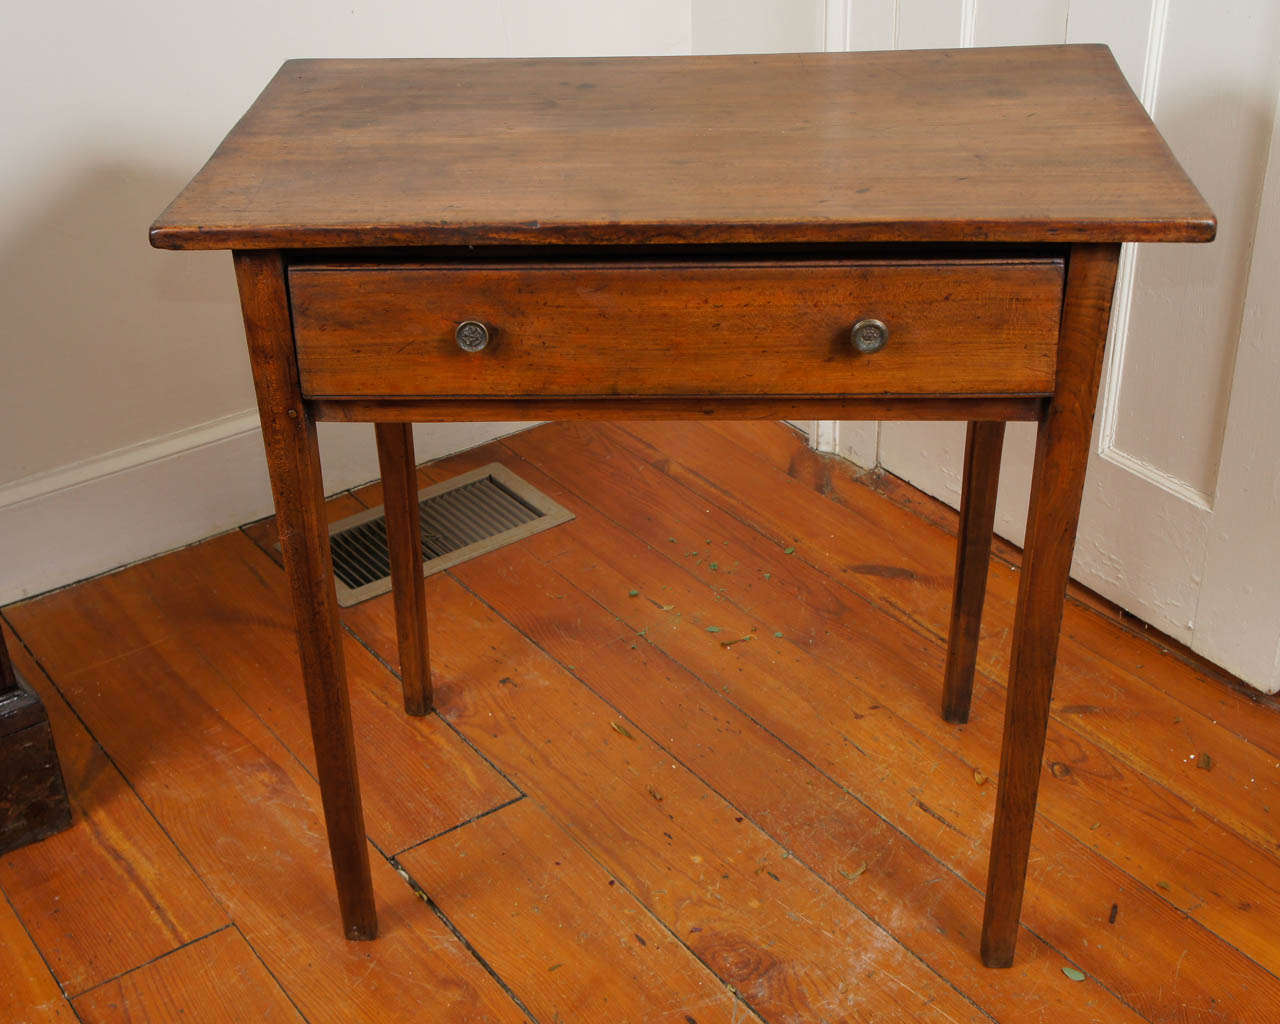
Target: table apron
762,331
705,407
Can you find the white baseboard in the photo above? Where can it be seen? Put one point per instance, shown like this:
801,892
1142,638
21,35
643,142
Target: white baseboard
857,441
114,509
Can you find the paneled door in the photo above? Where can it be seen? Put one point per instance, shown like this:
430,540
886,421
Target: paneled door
1181,519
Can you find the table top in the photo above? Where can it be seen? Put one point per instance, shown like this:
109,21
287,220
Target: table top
1018,144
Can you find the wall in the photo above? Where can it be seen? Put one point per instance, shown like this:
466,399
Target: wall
125,402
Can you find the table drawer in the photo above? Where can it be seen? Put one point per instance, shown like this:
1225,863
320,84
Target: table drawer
645,329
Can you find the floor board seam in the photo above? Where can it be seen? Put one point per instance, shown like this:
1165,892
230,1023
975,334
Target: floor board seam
182,854
822,880
155,959
447,724
866,479
854,796
462,824
423,895
349,631
62,990
927,633
270,973
732,507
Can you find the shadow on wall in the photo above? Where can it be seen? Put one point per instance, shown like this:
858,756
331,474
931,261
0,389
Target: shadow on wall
107,341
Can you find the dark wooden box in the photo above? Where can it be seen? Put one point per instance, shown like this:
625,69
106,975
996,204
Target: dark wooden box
33,796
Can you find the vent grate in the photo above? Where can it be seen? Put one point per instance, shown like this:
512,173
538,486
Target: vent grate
460,518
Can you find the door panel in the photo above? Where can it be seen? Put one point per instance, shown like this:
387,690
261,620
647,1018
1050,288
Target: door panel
1182,501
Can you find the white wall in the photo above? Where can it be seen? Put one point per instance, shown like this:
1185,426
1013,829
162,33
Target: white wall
126,410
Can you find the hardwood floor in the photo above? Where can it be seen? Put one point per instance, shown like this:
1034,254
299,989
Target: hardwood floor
687,766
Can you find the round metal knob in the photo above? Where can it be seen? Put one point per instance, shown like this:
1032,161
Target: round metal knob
471,335
869,335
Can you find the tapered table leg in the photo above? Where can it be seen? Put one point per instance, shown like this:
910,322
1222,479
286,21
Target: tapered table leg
404,542
982,446
293,460
1057,485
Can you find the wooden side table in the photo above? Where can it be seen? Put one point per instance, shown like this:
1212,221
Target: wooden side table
928,235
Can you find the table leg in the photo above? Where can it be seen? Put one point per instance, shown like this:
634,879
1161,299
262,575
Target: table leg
973,555
1057,485
293,460
404,543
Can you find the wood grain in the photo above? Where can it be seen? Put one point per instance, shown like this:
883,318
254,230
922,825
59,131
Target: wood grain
308,167
766,932
572,944
1014,144
404,547
218,980
878,868
868,682
671,329
227,597
863,604
1057,484
293,462
29,995
1152,684
248,818
981,481
931,407
1120,776
122,891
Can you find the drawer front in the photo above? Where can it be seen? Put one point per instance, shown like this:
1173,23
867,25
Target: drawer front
754,329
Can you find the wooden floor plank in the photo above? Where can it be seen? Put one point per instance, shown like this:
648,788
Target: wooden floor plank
28,992
1138,723
572,944
1251,716
927,907
1188,858
111,892
228,601
1140,720
945,785
789,811
770,933
247,816
217,980
91,631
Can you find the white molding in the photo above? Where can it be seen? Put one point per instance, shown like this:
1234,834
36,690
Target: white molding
837,23
129,504
1117,342
968,22
1157,31
825,436
859,442
120,460
1174,485
1122,307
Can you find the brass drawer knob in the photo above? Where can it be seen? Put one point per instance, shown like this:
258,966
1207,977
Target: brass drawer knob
869,335
471,335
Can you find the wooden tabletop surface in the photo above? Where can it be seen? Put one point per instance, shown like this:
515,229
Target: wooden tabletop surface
1022,144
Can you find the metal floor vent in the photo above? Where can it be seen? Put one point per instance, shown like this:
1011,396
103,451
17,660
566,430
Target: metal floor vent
460,519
